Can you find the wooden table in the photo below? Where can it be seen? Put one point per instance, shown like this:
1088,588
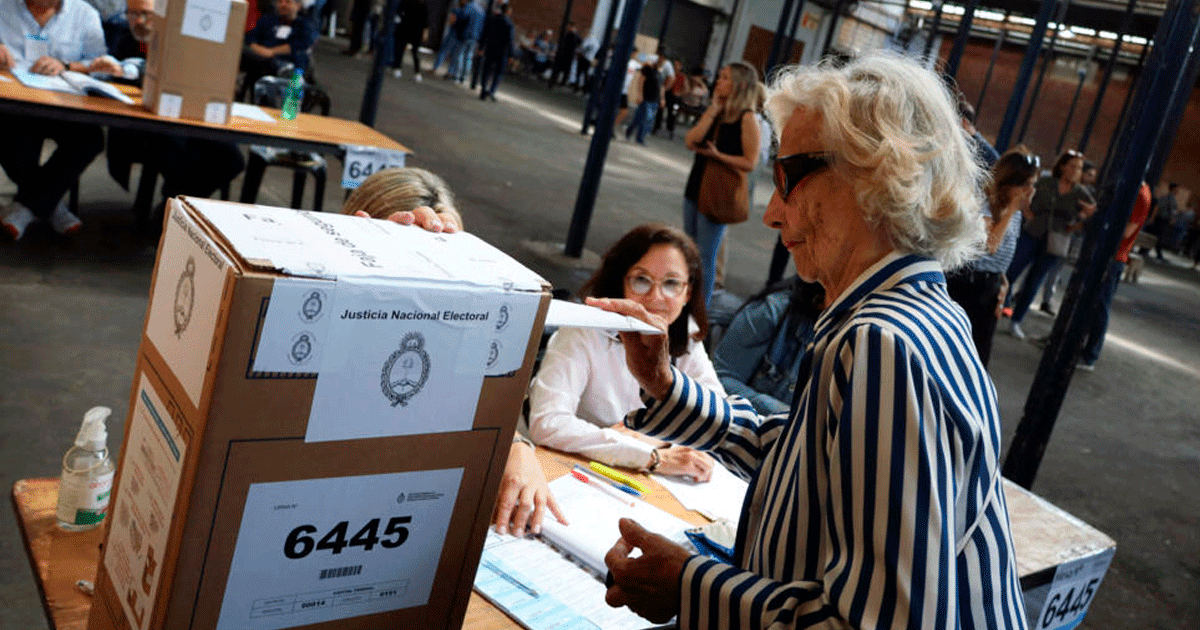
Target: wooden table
1044,537
307,132
60,558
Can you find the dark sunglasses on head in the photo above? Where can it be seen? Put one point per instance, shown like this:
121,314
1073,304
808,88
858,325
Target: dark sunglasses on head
790,170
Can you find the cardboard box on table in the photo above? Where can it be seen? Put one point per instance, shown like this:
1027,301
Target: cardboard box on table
192,58
318,425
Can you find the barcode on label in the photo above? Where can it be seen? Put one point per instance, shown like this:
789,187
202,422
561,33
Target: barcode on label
341,572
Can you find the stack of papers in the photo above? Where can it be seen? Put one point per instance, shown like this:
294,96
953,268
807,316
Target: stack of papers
71,83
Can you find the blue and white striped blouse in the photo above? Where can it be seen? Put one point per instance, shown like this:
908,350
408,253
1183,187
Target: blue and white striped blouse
877,504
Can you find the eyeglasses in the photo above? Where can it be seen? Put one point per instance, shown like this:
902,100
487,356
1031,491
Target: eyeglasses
641,284
790,170
138,15
1031,160
1073,153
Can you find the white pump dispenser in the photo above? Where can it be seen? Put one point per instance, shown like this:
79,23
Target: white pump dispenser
87,476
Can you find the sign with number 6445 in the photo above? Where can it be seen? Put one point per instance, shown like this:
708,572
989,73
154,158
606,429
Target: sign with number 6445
1074,587
362,162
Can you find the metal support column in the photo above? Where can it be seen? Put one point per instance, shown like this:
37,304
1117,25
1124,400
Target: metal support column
369,109
662,29
1047,59
1166,135
934,26
589,185
834,17
960,39
1083,73
780,34
1113,59
737,4
1158,93
1018,96
603,57
786,56
987,78
1123,117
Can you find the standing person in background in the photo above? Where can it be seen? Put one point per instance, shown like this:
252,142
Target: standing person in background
667,74
649,88
360,10
631,70
455,35
48,37
1050,284
980,286
565,55
674,90
984,151
1060,206
1094,341
277,39
411,31
726,132
497,43
461,64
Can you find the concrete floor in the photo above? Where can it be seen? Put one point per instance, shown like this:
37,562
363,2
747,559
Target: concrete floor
1125,455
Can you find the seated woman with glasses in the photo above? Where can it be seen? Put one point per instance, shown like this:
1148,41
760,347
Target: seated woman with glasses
581,393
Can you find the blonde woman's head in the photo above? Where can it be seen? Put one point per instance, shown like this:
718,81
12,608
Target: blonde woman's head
402,190
893,131
738,83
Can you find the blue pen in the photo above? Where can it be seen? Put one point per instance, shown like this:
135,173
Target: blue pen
619,486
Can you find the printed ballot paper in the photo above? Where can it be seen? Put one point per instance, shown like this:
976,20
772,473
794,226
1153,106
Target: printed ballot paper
322,405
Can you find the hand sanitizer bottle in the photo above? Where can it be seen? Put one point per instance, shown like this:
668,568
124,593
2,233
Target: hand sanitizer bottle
87,475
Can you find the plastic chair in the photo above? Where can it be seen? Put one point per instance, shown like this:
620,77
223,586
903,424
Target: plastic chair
269,92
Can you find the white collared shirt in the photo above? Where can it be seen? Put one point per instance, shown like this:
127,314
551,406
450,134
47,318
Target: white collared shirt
72,34
583,387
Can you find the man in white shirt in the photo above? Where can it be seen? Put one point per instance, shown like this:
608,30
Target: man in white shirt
48,37
631,70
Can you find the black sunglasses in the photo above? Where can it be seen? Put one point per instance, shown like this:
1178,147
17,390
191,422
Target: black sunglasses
790,170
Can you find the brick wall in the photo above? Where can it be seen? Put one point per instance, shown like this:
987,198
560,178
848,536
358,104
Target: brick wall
534,16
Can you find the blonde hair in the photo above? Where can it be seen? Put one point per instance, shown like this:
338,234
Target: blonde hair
895,134
402,190
744,89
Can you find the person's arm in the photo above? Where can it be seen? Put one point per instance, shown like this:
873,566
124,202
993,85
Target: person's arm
694,139
742,349
749,157
7,61
892,518
996,228
570,363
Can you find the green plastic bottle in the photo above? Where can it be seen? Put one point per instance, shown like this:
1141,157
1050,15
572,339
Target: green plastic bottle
295,94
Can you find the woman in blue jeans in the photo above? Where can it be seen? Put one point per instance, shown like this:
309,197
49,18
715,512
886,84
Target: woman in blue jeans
727,132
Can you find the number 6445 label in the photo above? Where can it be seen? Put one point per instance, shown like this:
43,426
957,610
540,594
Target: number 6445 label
300,541
1074,587
362,162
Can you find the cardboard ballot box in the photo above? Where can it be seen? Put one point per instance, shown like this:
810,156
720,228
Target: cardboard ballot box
192,58
318,425
1061,559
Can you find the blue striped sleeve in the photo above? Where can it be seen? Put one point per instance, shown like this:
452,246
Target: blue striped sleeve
728,428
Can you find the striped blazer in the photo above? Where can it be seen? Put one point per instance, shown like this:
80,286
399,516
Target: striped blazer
877,503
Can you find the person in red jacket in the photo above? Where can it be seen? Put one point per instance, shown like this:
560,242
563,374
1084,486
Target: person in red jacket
1094,341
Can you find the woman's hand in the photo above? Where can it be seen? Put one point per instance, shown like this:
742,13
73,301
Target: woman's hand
524,495
424,217
1001,295
106,65
649,583
682,461
646,355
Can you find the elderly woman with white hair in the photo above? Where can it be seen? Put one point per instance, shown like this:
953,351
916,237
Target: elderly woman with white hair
877,503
